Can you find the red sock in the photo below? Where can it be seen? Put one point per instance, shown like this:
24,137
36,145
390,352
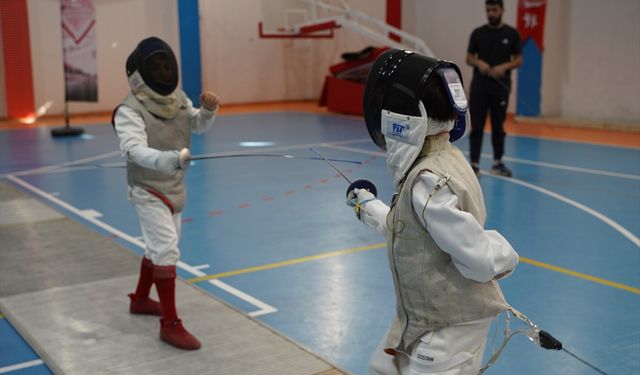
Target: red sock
146,279
165,279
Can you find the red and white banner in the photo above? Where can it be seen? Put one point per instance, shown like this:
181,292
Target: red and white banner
531,20
79,44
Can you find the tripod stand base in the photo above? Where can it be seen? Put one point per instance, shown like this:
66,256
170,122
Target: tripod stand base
66,132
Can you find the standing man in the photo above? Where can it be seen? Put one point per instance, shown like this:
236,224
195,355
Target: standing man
494,50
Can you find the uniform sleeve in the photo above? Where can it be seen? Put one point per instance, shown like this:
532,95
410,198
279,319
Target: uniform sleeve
131,131
201,119
478,254
516,48
375,215
473,43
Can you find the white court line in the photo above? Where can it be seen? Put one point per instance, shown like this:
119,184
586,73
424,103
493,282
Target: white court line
61,165
201,266
569,168
20,366
356,150
576,141
262,150
613,224
514,160
263,307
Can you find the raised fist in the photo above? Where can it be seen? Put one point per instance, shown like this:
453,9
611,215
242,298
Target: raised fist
209,100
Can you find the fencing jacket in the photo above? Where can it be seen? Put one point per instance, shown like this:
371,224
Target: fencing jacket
134,123
431,290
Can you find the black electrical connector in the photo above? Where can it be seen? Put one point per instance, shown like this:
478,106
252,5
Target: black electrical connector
549,342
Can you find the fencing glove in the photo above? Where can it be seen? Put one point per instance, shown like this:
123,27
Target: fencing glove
357,199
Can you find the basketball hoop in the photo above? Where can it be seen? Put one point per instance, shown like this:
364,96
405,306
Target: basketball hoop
322,30
296,19
318,18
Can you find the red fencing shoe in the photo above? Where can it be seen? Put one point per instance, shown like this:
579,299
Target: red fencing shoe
140,301
144,306
175,334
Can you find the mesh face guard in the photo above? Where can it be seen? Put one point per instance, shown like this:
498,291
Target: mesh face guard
395,83
455,90
140,60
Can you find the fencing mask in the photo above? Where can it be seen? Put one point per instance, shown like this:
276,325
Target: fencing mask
399,85
154,60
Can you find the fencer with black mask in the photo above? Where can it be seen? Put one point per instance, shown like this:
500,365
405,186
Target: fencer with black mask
154,124
443,262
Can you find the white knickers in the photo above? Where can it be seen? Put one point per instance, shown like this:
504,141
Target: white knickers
160,228
456,350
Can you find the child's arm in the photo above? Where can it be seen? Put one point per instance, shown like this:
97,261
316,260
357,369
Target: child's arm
202,118
131,131
478,254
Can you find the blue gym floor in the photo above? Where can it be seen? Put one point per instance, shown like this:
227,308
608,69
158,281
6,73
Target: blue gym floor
273,237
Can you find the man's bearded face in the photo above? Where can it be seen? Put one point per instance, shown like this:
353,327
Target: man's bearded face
494,14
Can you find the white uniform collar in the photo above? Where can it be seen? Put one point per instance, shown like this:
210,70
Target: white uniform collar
165,106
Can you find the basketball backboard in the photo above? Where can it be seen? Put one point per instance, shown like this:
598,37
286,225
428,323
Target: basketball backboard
297,18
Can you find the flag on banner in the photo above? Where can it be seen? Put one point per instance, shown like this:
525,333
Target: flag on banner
531,29
531,20
79,45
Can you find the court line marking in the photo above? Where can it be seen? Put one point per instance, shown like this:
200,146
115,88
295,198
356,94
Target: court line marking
60,165
20,366
569,168
263,307
613,224
356,150
64,167
382,245
581,275
571,140
514,160
286,263
610,222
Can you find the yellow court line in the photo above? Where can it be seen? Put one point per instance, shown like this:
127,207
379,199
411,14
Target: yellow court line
580,275
287,262
532,262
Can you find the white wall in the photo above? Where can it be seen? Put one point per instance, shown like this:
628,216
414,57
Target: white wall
602,79
236,63
120,25
242,67
590,64
446,25
591,59
555,57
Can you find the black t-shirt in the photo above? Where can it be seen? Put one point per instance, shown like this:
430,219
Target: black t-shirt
495,46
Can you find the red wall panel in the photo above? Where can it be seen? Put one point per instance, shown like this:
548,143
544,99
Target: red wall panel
17,58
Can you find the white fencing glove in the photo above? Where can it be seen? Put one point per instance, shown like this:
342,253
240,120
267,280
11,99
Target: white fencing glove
357,199
185,159
168,161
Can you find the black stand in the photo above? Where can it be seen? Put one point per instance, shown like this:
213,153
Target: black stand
66,131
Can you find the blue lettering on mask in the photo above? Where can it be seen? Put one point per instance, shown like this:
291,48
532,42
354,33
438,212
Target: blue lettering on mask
397,129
